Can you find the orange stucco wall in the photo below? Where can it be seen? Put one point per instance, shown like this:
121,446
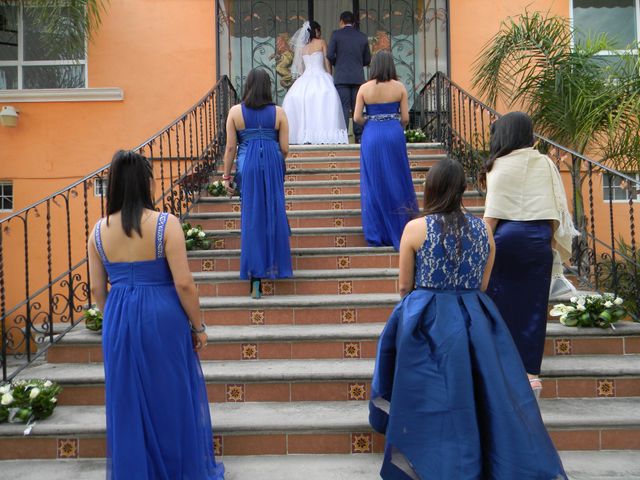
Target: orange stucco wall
161,53
473,23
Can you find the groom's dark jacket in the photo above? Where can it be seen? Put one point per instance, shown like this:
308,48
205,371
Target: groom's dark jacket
348,53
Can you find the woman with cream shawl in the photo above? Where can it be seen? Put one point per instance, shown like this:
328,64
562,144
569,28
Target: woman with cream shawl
526,207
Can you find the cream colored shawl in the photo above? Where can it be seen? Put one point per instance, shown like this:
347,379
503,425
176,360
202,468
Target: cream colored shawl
526,185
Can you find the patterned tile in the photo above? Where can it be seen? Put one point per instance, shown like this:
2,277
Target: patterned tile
257,317
361,442
294,155
235,207
344,262
218,244
341,241
333,165
351,350
562,346
413,164
336,191
249,351
348,315
335,178
291,178
338,222
345,287
217,445
331,154
235,392
207,265
288,206
421,176
357,391
606,388
68,448
268,287
290,191
336,205
291,167
230,225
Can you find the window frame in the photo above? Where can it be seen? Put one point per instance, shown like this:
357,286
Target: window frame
606,188
608,53
21,62
4,183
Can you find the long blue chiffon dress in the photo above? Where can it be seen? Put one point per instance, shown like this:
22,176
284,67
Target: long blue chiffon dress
264,230
387,197
158,421
520,282
449,389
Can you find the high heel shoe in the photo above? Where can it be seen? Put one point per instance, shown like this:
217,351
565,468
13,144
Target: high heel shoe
256,289
536,386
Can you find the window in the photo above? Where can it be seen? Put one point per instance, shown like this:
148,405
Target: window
27,57
100,187
616,18
6,196
618,189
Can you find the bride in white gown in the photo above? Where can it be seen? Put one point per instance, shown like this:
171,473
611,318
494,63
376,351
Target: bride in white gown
312,103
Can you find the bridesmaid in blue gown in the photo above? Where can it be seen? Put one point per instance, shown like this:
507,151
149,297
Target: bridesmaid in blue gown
260,132
387,197
158,423
449,390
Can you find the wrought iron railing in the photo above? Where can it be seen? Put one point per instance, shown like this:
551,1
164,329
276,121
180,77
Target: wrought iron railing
603,200
44,281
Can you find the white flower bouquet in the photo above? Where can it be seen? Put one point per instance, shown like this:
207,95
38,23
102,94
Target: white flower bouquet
22,401
195,238
216,189
93,318
415,136
591,311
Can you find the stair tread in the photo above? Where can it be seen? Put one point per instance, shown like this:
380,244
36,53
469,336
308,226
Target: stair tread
309,197
590,465
356,147
326,417
308,274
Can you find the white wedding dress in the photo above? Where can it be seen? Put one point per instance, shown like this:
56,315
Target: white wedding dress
313,107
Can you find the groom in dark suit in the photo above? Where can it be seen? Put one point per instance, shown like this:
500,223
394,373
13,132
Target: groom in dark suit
348,53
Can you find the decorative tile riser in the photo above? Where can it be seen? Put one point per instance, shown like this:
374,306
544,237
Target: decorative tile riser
296,316
301,262
346,390
294,222
592,346
302,287
299,241
299,443
294,176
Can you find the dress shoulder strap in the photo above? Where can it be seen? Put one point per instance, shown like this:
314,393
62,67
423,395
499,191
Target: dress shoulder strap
98,239
160,227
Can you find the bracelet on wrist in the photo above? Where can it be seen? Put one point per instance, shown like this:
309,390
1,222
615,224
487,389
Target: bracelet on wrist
202,329
226,177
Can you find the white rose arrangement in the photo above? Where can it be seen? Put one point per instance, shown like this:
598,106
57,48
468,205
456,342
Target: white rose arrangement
93,318
594,310
22,401
195,237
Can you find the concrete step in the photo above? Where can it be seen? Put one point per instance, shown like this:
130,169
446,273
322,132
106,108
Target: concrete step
603,465
332,341
332,174
354,149
279,428
302,258
308,376
335,187
301,237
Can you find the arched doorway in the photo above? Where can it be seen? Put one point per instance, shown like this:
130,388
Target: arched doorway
256,34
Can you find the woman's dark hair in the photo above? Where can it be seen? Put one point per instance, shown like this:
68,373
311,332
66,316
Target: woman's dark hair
314,30
129,189
383,67
257,89
510,132
348,18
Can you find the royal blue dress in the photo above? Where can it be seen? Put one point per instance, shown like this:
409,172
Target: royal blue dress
158,422
387,197
449,391
264,229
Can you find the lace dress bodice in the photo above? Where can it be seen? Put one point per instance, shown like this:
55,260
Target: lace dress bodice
450,260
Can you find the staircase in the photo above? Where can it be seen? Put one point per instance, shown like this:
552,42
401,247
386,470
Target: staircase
289,375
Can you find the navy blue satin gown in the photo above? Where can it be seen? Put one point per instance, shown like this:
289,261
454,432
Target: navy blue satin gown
520,282
449,390
387,197
264,230
158,421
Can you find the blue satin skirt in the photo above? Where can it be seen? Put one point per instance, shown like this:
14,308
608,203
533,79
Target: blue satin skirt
451,396
520,282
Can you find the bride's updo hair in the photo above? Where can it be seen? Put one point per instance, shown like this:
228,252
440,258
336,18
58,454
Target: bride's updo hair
257,89
314,30
383,68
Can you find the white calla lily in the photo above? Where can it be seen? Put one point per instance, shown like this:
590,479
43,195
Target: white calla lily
34,393
7,399
608,304
618,301
48,384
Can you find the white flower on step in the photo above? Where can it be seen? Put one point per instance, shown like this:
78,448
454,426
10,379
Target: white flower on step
34,393
558,310
54,400
92,312
581,308
190,232
573,299
48,384
202,234
581,301
608,304
618,301
5,389
7,399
